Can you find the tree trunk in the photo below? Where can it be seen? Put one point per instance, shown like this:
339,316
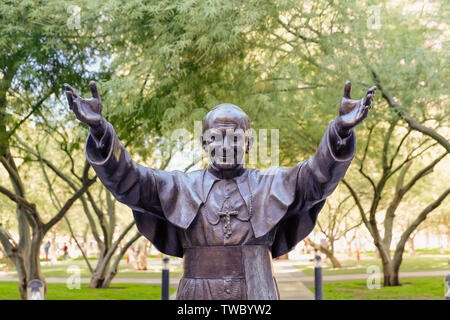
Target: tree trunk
142,255
115,266
330,254
98,277
377,253
412,249
448,237
390,276
96,282
99,273
390,268
34,264
19,263
334,261
349,248
284,257
53,250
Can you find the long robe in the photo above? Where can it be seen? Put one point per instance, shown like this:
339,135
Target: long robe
272,210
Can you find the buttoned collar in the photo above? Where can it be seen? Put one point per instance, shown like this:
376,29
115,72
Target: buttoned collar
240,175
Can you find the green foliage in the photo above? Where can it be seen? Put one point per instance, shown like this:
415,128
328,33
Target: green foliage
39,51
161,65
177,59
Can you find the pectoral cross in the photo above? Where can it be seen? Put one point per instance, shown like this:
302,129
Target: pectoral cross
227,213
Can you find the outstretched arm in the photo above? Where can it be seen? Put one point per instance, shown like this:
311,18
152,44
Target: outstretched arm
321,173
131,184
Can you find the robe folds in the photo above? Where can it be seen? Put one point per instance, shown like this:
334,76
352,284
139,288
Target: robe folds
256,215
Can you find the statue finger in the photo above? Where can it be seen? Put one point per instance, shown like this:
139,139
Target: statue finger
372,90
347,89
94,90
366,111
78,110
69,88
75,108
368,99
69,97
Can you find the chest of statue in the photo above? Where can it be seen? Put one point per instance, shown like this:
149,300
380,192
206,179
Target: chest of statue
224,219
222,257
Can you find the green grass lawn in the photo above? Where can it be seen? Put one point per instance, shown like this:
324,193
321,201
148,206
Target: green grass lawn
429,288
408,264
59,291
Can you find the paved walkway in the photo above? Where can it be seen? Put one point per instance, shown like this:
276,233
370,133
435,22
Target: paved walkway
289,280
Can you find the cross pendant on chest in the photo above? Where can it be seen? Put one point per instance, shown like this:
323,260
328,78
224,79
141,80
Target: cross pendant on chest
227,213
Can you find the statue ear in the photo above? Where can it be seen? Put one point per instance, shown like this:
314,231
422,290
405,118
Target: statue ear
250,144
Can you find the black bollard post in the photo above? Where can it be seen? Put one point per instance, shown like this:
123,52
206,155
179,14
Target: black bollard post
165,279
35,290
318,286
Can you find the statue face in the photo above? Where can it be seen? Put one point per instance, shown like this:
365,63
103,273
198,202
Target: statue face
226,139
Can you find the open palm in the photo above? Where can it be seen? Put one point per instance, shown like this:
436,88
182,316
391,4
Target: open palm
353,112
88,111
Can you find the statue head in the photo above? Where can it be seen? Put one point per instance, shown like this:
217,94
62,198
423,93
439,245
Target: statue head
226,136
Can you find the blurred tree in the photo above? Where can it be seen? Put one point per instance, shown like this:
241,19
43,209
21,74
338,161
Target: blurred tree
39,51
405,53
335,221
284,62
291,60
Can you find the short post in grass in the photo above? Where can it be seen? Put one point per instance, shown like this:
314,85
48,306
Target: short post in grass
447,287
35,290
165,279
318,285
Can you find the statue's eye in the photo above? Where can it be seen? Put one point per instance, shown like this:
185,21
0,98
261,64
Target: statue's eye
212,139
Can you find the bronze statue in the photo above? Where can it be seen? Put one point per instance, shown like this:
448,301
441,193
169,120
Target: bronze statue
226,221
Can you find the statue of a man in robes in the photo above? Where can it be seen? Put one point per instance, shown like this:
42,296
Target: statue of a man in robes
227,221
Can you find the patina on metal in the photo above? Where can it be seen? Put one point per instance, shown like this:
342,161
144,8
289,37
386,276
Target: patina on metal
227,221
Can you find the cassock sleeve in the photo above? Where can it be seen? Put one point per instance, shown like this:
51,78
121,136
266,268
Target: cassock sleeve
155,196
129,182
315,180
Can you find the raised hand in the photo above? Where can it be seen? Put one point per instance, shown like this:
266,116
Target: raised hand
353,112
88,111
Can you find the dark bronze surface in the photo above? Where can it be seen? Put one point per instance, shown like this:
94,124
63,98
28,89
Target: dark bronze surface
227,221
213,262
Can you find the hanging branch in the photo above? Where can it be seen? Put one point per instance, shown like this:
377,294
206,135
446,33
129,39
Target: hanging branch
359,205
413,124
68,205
419,219
57,205
114,267
79,246
113,248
